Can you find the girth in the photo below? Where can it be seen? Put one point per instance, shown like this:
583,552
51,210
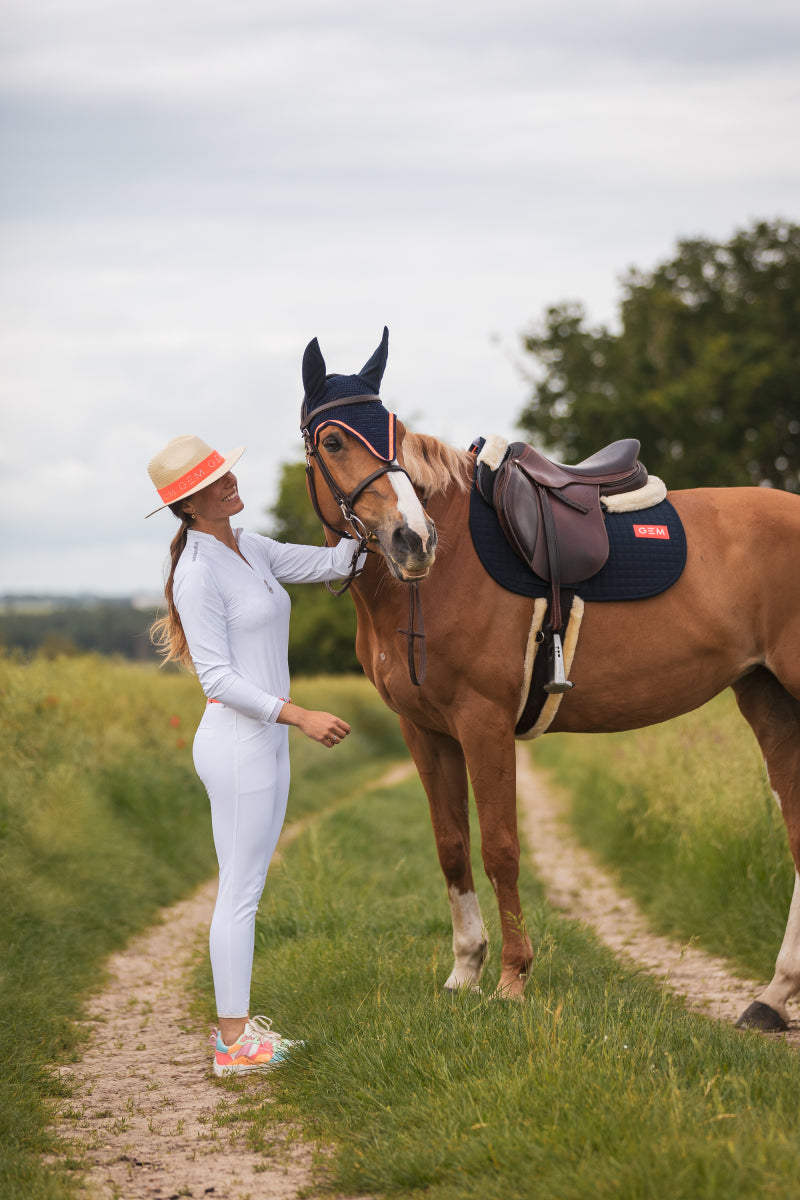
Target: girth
552,517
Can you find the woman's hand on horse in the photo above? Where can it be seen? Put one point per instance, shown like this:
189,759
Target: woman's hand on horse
322,727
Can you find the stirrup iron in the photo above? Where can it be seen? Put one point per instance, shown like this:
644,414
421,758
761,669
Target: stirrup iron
558,681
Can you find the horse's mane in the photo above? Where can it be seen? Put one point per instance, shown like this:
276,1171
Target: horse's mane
433,465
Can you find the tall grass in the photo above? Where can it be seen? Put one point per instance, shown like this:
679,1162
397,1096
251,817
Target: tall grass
101,822
600,1085
683,812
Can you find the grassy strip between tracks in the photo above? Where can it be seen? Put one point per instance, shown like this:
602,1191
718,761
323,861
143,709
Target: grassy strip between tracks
598,1085
103,821
684,815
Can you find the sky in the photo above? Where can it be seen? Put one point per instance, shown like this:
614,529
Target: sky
191,190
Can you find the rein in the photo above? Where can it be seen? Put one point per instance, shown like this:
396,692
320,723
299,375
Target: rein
346,501
414,607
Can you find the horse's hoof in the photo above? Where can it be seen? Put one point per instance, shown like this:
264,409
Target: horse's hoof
514,990
762,1017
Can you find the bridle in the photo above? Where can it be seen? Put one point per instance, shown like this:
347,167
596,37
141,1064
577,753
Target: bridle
346,502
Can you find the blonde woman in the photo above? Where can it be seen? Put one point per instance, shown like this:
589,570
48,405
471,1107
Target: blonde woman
228,619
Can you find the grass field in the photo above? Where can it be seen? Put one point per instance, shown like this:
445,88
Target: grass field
600,1085
103,821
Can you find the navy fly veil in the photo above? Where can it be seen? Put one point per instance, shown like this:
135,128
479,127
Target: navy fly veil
326,396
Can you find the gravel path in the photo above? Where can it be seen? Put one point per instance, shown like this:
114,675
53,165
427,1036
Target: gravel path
576,885
151,1129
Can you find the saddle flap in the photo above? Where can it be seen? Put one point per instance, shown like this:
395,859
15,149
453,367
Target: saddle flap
559,532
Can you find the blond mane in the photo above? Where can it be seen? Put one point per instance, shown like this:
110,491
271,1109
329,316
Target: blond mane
433,465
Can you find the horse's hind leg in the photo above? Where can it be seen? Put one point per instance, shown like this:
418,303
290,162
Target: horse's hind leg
774,716
440,762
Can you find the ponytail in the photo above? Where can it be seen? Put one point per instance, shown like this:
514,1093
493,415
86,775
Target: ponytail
166,633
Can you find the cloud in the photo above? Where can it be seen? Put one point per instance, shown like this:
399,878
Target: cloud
193,190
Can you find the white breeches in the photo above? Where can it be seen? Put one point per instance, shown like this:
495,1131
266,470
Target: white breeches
244,765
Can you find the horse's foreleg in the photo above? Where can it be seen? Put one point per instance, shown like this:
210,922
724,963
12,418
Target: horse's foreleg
774,716
440,762
492,768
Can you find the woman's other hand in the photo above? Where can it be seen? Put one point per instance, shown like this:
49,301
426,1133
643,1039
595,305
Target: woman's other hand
322,727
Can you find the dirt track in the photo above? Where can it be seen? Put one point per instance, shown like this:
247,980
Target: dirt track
580,889
152,1129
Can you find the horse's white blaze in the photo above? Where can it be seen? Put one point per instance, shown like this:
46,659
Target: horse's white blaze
469,940
786,980
409,506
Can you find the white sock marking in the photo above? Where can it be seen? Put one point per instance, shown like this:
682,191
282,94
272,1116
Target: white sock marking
469,939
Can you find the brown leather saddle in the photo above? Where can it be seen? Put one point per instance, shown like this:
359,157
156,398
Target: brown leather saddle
552,517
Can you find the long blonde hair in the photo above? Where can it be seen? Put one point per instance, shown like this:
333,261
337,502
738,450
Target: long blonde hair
166,633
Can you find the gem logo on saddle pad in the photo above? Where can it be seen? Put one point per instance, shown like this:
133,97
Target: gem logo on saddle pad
651,531
326,400
645,557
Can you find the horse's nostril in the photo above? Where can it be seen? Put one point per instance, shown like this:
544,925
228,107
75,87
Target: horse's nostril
406,541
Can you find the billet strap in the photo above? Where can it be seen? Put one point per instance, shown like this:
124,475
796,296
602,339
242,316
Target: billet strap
537,698
554,561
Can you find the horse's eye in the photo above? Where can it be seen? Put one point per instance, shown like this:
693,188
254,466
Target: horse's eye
332,442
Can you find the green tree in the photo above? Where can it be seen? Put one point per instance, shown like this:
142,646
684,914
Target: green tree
705,369
100,627
323,629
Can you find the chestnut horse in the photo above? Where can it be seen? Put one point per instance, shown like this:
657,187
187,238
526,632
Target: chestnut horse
731,620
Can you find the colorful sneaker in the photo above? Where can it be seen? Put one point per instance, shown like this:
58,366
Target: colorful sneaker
263,1025
254,1050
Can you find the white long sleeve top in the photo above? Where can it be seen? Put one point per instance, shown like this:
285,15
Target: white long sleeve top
235,614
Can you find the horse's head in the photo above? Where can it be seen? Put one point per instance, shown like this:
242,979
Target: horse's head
354,476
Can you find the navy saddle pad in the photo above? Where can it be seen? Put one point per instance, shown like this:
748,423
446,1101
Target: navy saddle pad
647,552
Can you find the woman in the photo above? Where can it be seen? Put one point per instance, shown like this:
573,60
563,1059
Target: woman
228,618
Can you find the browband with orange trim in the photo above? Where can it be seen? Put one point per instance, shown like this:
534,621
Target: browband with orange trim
360,436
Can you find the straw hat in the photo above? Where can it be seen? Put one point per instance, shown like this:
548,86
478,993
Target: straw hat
185,465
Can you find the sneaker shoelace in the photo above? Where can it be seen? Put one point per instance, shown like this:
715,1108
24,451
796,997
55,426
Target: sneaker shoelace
259,1029
262,1027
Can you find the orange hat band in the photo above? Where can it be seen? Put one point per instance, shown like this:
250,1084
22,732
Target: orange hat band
174,491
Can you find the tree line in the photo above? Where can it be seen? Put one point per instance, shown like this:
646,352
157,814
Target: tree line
704,368
111,627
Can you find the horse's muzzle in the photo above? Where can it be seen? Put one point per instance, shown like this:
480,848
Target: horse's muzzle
407,555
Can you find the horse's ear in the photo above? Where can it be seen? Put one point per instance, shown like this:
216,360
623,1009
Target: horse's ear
313,371
373,369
